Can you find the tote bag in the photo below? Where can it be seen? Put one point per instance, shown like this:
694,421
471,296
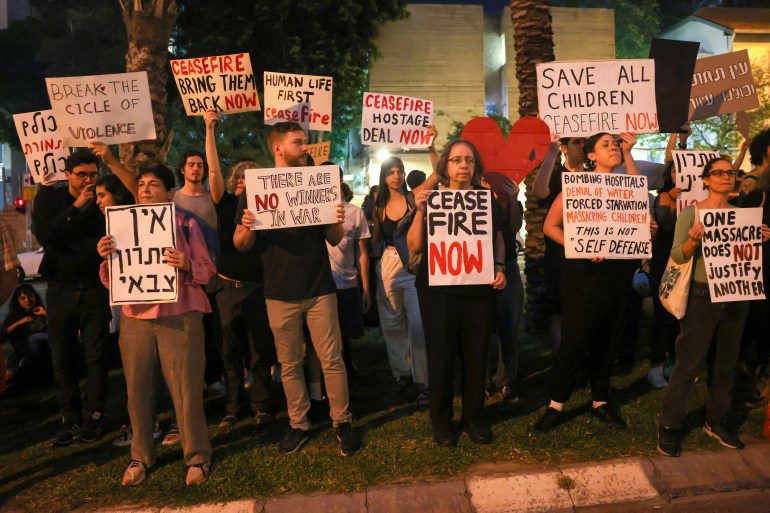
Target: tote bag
675,284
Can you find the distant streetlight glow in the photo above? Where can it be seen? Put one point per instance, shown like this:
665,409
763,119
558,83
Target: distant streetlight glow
383,154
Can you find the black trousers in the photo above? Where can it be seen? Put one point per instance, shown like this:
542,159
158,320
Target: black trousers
594,298
665,327
456,324
246,337
74,308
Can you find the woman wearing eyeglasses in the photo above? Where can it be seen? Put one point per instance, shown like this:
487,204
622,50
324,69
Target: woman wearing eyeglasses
705,324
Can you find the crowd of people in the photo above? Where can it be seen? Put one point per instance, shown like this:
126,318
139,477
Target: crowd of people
289,302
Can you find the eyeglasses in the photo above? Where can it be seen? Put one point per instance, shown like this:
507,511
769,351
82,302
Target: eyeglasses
720,173
84,176
458,160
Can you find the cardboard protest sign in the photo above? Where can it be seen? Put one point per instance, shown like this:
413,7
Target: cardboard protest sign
512,158
112,109
304,99
293,196
460,232
743,123
674,65
225,83
606,215
732,252
319,151
581,98
722,84
392,121
138,274
43,148
689,167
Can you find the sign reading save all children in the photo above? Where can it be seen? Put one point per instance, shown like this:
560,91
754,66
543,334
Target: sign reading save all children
392,121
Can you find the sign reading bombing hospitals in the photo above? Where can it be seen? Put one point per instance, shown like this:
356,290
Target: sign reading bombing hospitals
689,166
581,98
460,238
293,196
43,148
606,215
225,83
304,99
732,252
112,109
722,84
392,121
138,274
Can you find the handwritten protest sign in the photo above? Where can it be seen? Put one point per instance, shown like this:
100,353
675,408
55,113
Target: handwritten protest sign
225,83
112,109
689,167
460,235
138,274
392,121
319,151
293,196
581,98
43,148
732,252
304,99
722,84
606,215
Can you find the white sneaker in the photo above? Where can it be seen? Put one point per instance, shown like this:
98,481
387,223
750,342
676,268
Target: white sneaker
656,378
134,474
198,474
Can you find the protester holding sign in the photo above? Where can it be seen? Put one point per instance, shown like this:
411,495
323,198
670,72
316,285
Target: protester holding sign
459,317
704,324
167,337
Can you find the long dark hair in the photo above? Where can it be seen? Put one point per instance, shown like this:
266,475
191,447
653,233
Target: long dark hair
15,311
115,187
588,147
478,166
383,192
668,182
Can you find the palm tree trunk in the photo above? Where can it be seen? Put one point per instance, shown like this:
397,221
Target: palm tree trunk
533,42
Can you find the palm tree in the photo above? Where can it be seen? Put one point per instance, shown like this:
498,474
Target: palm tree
533,42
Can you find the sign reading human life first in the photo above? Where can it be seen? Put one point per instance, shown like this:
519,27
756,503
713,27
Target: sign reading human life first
689,167
304,99
319,151
225,83
460,232
138,274
582,98
606,215
392,121
722,84
732,252
43,148
112,109
288,197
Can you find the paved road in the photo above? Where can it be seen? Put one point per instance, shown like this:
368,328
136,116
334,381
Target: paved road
751,501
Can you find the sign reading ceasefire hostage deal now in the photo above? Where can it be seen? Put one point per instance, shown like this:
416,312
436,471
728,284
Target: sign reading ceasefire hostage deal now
43,148
225,83
287,197
582,98
606,216
392,121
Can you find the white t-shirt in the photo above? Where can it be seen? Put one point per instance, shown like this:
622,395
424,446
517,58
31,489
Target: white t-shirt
343,256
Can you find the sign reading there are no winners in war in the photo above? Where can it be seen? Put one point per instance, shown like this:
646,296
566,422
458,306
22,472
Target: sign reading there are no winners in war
138,274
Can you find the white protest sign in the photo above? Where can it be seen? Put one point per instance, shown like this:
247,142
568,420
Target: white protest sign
225,83
582,98
138,274
112,109
460,235
286,197
606,215
392,121
304,99
43,148
689,166
732,252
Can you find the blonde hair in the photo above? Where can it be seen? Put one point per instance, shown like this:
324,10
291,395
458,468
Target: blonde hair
240,165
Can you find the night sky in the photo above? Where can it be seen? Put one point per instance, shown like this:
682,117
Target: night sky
489,5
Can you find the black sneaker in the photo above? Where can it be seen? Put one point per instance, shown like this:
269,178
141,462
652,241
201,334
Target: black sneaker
609,414
479,433
727,438
443,436
669,442
67,435
263,417
549,420
349,442
294,439
92,429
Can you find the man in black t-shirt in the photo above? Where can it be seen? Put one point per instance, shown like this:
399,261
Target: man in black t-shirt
299,287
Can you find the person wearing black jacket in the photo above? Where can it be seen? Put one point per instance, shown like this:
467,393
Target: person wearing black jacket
68,224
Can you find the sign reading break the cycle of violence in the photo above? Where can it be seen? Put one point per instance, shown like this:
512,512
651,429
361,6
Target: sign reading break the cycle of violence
286,197
581,98
606,216
460,235
138,274
43,148
689,166
304,99
112,109
225,83
732,252
392,121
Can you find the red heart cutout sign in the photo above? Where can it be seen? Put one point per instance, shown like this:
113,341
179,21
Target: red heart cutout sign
527,145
